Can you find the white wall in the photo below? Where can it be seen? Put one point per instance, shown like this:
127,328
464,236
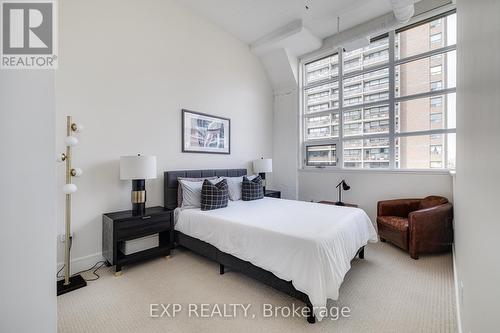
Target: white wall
369,187
477,221
285,143
27,208
127,68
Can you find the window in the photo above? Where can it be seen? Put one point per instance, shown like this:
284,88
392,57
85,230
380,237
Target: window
436,101
322,69
435,23
436,85
419,114
411,78
436,149
375,54
436,165
436,117
436,70
362,111
436,38
424,37
323,155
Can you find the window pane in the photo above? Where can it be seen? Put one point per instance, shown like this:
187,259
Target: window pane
423,75
366,153
374,54
322,69
366,88
426,37
428,113
321,98
322,155
322,127
426,151
369,120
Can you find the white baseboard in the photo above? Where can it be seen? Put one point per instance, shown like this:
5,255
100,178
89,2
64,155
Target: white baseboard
457,293
82,263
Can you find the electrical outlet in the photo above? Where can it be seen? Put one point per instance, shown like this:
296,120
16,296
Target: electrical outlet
62,237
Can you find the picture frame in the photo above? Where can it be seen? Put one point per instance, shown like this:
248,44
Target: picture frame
205,133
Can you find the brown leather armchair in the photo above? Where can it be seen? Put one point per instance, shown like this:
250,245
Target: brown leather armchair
416,225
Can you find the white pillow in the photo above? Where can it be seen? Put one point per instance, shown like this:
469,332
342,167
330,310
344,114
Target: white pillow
191,192
234,185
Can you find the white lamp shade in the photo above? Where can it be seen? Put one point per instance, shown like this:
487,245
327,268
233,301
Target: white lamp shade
263,165
69,188
70,141
137,167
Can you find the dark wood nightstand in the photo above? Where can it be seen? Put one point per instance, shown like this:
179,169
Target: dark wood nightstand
272,194
333,203
123,226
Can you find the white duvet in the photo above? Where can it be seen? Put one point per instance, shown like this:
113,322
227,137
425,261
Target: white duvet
310,244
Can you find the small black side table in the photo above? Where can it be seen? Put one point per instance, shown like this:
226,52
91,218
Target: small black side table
122,226
273,194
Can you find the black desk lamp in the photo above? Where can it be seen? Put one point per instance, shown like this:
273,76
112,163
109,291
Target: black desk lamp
344,187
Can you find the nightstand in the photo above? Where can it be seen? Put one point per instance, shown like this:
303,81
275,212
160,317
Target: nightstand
119,227
272,194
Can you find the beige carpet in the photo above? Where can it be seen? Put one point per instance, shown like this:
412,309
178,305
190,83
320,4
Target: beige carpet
386,292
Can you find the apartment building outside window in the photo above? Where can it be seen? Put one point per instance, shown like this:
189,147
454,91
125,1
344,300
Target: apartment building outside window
390,105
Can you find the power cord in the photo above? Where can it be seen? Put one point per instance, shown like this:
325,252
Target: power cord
98,265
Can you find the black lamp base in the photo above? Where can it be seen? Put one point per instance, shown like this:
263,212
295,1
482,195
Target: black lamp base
138,197
263,177
75,282
339,203
138,209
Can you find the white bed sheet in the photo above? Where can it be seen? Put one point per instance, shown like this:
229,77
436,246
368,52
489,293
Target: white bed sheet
310,244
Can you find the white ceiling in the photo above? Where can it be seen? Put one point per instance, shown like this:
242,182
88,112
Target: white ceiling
250,20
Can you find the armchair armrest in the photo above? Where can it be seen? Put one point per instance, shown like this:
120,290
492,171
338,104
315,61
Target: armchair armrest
398,207
431,229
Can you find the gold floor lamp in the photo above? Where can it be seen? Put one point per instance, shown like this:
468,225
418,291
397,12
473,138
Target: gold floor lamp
69,283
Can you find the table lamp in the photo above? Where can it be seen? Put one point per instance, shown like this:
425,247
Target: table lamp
138,169
261,167
342,186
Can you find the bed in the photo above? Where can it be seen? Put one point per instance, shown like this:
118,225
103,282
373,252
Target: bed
301,248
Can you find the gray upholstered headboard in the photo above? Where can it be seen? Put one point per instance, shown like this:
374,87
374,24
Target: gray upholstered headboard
170,181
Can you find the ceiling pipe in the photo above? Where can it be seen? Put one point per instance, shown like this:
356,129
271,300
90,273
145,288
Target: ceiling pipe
403,10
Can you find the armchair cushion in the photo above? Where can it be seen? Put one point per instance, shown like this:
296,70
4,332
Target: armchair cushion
395,222
432,201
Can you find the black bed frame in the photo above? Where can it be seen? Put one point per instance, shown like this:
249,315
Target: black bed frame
225,259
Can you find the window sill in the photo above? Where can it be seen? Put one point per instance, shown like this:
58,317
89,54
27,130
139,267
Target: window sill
378,171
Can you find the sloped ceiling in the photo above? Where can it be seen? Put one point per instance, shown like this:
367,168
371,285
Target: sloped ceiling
250,20
279,31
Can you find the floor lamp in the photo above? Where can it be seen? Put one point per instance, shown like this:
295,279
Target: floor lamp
69,283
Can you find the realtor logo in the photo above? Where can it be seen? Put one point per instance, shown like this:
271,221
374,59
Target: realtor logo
28,34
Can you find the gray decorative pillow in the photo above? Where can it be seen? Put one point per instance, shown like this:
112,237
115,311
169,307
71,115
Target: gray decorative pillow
179,188
235,186
214,196
252,189
191,192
